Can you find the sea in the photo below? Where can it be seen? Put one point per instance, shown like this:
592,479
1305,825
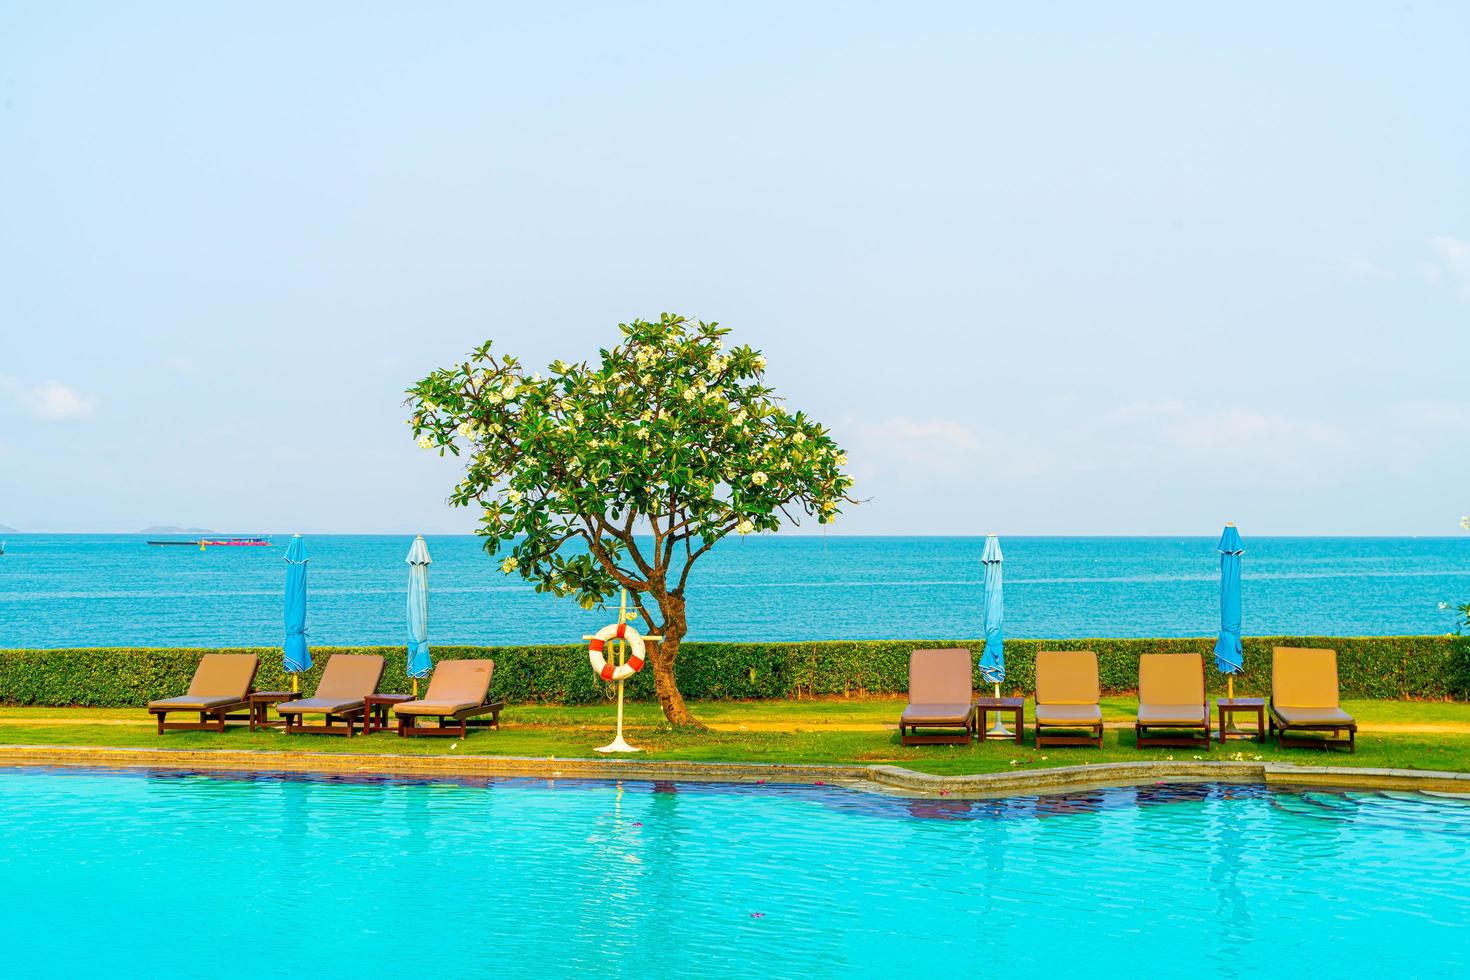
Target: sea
87,590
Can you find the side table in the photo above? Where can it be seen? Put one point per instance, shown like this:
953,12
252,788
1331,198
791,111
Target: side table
1000,707
376,708
1228,707
260,702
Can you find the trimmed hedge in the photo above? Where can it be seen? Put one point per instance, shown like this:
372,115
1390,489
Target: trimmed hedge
1391,667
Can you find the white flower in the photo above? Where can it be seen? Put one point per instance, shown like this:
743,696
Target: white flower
744,527
641,433
579,418
758,478
1465,523
841,459
646,380
828,506
492,396
466,429
711,397
799,438
509,565
535,379
514,496
689,394
426,442
760,362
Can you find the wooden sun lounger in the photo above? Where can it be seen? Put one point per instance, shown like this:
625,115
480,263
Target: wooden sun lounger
1067,695
1304,698
941,708
346,681
1171,699
459,691
221,686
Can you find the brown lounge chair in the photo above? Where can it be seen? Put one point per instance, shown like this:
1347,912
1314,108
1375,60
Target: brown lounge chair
1171,697
347,679
221,684
941,698
458,691
1304,698
1066,697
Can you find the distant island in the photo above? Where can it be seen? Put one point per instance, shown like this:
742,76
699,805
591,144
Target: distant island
7,529
174,529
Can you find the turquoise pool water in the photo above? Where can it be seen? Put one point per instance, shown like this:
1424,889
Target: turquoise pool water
115,874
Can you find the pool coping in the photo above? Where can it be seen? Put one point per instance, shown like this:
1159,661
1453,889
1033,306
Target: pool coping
886,779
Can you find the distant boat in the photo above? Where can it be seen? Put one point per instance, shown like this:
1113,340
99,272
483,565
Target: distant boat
202,543
2,547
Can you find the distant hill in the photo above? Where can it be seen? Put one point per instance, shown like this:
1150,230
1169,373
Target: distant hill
174,529
7,529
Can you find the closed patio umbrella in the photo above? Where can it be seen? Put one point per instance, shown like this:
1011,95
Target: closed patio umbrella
296,658
1229,654
993,659
419,661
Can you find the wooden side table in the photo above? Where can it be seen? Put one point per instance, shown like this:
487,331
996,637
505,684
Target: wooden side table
260,702
1000,707
1241,706
376,708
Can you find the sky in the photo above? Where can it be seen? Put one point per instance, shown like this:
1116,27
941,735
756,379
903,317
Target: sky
1043,269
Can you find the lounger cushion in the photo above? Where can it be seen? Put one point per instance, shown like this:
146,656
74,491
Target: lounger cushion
937,714
1304,678
427,707
222,675
941,677
1066,677
350,677
189,703
1313,716
462,681
1173,714
1078,715
318,706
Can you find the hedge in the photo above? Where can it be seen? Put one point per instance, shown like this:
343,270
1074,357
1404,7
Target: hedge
1392,667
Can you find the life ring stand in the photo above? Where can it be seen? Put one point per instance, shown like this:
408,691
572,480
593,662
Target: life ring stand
600,664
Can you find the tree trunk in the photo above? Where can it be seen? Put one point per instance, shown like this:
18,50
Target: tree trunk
661,656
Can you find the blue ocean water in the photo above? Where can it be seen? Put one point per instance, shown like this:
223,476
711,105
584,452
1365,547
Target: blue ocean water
130,875
90,590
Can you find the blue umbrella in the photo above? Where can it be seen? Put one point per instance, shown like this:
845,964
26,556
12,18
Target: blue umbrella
419,661
1229,655
296,656
993,660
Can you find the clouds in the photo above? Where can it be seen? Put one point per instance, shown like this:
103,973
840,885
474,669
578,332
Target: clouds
49,401
1451,265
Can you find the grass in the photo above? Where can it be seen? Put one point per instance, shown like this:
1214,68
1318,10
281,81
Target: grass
1396,734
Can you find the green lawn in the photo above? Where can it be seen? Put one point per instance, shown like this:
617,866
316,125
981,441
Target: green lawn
1405,735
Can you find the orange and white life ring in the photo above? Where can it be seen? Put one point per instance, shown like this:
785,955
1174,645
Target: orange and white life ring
600,665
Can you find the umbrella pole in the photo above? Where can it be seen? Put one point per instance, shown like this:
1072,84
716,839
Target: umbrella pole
294,684
999,729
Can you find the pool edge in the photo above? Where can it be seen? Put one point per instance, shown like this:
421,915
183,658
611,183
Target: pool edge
887,779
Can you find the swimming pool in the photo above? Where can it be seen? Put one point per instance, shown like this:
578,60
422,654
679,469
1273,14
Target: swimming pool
180,874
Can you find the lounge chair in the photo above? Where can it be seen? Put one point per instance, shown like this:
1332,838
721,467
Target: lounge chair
221,685
346,680
1304,698
1171,698
941,699
458,691
1066,698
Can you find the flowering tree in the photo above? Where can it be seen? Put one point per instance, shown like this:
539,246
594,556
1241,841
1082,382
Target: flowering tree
625,472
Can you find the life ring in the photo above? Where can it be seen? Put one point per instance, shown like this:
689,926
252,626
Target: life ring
607,671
